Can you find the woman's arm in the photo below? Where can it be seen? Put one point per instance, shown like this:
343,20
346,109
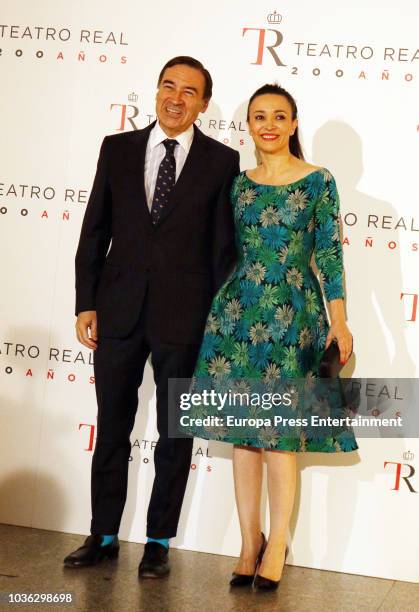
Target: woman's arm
329,259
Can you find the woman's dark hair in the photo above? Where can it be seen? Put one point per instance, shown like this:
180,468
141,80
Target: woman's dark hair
186,60
273,88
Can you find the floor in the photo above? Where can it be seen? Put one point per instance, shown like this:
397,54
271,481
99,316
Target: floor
31,561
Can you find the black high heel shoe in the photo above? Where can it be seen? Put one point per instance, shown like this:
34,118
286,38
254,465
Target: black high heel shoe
266,584
238,580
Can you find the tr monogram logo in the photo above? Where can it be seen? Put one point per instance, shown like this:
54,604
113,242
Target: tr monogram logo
128,112
276,38
399,477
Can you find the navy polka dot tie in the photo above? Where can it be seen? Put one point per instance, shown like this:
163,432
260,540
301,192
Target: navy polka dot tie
165,182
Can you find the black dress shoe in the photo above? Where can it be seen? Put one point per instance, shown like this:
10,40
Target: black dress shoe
155,561
266,584
238,580
91,553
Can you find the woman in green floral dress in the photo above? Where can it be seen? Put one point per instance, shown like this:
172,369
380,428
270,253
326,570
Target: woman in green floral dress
269,321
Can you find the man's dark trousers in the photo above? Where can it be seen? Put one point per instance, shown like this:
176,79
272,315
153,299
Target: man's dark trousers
119,366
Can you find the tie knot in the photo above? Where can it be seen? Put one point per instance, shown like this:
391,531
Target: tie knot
170,144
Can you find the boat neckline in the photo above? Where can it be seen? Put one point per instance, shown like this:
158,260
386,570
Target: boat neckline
285,184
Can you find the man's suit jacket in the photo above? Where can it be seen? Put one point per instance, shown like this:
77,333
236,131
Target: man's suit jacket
181,262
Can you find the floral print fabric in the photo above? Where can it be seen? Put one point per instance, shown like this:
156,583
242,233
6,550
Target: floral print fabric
268,320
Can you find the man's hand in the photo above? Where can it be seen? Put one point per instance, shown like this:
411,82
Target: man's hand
87,322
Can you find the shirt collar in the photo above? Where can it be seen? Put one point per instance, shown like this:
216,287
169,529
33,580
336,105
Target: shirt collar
157,135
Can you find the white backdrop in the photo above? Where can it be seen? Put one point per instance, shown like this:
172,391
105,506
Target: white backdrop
72,73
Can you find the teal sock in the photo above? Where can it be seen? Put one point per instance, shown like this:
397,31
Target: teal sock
162,541
107,539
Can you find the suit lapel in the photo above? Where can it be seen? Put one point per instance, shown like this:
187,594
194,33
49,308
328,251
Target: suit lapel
136,162
194,164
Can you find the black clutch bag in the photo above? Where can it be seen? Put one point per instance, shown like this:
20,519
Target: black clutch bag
330,364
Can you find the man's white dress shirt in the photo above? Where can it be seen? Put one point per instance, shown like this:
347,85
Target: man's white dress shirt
155,153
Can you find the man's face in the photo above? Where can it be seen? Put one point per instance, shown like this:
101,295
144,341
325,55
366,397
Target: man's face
180,98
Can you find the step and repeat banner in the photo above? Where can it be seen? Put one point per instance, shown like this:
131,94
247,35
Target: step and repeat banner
73,73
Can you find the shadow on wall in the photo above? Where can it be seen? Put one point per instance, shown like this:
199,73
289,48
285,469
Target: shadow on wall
25,486
18,491
374,297
373,274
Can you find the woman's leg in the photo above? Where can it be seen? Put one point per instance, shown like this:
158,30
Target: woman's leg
248,472
281,467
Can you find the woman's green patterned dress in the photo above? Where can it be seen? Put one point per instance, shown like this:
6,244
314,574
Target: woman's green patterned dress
268,320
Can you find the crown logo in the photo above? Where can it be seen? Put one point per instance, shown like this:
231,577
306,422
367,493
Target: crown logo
133,97
274,17
408,455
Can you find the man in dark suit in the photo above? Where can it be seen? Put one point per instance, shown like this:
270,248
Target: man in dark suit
157,242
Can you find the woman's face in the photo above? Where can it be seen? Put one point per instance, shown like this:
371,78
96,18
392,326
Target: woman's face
270,123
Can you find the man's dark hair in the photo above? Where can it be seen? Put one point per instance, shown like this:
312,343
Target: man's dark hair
186,60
